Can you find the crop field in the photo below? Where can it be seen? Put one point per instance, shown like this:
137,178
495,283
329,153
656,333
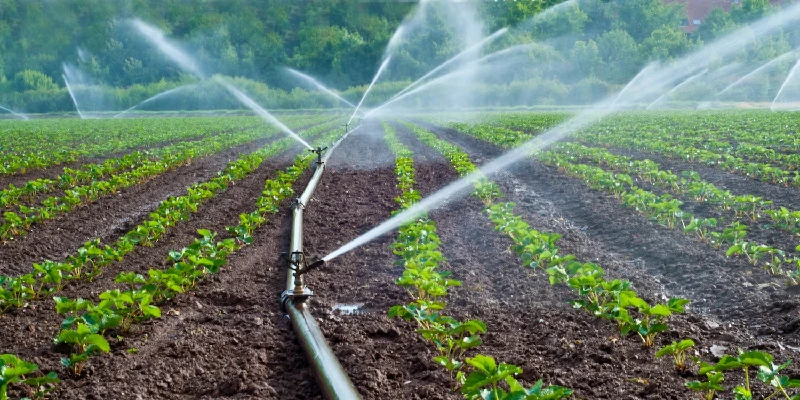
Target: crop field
647,256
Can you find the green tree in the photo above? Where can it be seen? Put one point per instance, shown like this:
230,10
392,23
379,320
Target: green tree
585,57
620,53
667,43
33,80
641,18
717,23
751,10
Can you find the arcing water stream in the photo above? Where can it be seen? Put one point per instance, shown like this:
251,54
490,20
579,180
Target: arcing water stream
686,82
468,50
162,94
169,49
371,84
262,112
649,80
318,85
72,95
189,64
15,113
785,82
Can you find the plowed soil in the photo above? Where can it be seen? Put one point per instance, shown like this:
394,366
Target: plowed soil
229,339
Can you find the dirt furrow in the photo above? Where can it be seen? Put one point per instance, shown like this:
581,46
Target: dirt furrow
111,216
652,256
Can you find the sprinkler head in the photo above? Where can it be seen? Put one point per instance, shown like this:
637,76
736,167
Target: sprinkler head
319,151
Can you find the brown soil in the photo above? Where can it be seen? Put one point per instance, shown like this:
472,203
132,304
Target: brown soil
111,216
216,341
229,339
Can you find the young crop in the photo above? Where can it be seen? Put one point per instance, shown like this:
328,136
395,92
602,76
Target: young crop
86,322
487,379
652,319
90,259
678,351
15,371
84,342
708,388
767,372
417,246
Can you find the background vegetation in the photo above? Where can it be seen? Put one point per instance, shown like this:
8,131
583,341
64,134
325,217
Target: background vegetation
340,41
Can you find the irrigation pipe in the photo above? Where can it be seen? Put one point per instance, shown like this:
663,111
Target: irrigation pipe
333,381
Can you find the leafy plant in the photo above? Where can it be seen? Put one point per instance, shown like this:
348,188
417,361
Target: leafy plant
709,387
85,342
678,351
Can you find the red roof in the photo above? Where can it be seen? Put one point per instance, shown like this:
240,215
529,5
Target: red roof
698,10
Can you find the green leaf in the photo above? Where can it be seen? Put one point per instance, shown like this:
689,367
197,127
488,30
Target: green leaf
99,341
483,364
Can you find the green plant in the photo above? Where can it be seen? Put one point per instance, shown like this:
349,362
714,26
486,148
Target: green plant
708,388
487,378
84,342
14,370
653,318
768,373
678,351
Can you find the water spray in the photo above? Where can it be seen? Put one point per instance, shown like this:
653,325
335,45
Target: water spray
378,74
752,73
650,82
260,111
71,94
786,82
468,50
318,85
154,98
685,82
169,49
15,113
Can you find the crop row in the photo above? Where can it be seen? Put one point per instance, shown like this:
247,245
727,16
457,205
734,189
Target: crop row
18,223
747,206
41,143
666,144
767,129
87,324
615,300
88,261
743,149
666,209
538,249
69,178
417,245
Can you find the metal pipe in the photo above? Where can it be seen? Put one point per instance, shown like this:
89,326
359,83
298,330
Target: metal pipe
331,377
333,381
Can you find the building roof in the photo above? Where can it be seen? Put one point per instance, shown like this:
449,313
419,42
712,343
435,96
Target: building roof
698,10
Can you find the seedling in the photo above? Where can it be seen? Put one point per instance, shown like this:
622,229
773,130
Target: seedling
485,382
678,350
768,373
84,342
13,370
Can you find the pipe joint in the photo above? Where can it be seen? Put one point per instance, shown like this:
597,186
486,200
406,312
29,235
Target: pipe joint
298,264
298,204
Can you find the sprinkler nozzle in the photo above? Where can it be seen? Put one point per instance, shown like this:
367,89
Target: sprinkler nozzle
319,151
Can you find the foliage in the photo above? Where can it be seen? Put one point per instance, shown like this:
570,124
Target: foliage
15,371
